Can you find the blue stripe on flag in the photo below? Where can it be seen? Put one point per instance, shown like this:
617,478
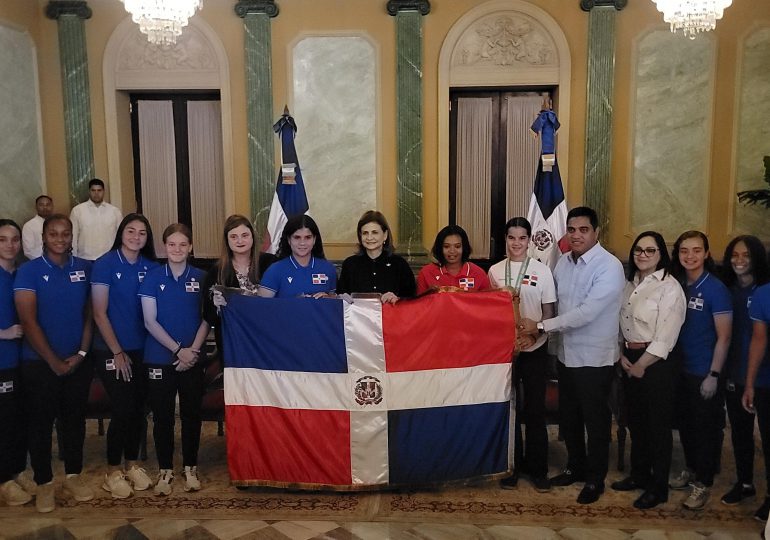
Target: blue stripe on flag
447,443
548,189
295,334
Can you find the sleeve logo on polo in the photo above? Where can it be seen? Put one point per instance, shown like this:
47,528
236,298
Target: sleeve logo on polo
162,286
320,279
467,283
77,275
118,274
695,303
45,277
192,286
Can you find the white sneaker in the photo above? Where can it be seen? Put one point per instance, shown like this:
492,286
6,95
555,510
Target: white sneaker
191,482
77,488
44,499
683,480
27,483
117,485
698,498
139,478
13,494
163,485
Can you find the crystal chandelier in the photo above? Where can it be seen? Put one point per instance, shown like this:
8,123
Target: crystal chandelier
161,20
692,16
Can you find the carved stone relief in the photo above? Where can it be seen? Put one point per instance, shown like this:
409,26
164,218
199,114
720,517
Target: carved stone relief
192,51
505,39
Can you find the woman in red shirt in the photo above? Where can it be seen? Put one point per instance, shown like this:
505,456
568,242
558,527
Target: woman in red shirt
452,269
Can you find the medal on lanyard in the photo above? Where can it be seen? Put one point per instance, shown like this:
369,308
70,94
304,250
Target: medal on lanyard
517,284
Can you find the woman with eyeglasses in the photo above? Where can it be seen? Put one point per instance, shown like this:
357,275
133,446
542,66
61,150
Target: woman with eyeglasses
452,252
533,282
651,315
703,341
744,270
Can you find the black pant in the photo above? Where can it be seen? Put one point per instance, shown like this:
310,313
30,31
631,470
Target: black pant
700,424
650,404
50,397
162,397
530,374
742,431
13,426
127,400
584,408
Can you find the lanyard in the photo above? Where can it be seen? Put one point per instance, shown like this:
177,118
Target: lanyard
522,270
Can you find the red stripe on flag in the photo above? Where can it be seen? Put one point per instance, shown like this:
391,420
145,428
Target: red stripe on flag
280,445
449,330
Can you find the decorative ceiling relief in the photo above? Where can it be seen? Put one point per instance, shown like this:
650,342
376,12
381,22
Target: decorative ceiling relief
505,40
192,51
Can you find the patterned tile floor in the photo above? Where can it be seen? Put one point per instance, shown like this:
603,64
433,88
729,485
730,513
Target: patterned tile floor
186,529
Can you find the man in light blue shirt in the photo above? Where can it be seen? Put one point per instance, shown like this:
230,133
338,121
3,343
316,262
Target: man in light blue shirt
589,283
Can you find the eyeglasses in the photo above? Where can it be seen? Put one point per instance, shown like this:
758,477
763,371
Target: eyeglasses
650,251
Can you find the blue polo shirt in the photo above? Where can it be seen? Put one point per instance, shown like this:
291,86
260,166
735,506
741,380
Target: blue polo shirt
759,310
178,308
62,295
10,349
124,309
288,279
706,297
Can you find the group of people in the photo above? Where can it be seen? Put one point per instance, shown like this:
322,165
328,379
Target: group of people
682,338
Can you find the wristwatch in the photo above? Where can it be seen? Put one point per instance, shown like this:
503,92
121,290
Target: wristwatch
714,374
540,327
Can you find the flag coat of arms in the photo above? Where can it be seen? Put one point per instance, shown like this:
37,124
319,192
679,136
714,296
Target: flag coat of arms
329,394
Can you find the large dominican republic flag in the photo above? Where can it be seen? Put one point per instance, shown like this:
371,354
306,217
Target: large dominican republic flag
329,394
290,198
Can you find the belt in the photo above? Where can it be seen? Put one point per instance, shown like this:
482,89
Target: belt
632,346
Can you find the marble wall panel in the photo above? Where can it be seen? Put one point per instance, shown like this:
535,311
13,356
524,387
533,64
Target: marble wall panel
334,85
21,176
672,133
753,131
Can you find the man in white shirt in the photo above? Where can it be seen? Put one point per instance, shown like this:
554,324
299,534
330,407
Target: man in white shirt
589,284
94,224
32,231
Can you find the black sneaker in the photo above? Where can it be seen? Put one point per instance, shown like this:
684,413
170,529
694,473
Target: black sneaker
540,483
739,492
510,482
763,511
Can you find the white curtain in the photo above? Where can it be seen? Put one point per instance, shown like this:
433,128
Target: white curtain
204,138
157,163
474,171
523,153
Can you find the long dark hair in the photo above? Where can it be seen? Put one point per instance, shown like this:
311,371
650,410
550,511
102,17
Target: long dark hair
148,251
759,267
677,270
375,216
11,223
295,223
226,271
665,259
438,245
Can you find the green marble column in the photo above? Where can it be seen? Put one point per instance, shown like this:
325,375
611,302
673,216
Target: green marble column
256,16
78,137
599,86
409,119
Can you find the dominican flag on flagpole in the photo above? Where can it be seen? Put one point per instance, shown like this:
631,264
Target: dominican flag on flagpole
548,207
354,396
290,198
